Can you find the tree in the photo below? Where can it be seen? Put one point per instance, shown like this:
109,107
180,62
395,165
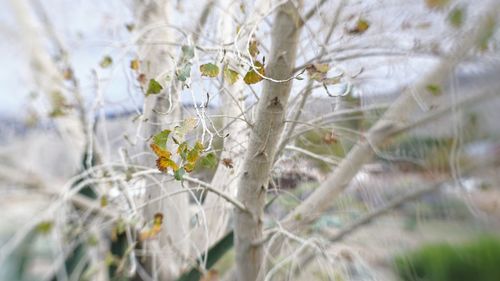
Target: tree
230,100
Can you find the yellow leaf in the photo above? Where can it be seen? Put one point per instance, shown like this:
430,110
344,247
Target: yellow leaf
253,48
163,164
193,155
362,25
134,64
252,77
198,146
189,167
159,151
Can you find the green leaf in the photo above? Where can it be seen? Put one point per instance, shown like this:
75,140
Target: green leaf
187,53
253,77
230,75
182,150
184,72
161,138
44,227
153,87
209,69
434,89
193,155
209,160
456,17
179,174
106,61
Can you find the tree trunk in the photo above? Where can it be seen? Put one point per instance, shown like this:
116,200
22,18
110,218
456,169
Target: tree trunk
217,210
266,132
159,112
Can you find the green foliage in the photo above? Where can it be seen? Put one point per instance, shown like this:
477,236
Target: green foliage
161,138
44,227
153,87
456,17
179,174
478,261
434,89
209,160
106,62
184,72
230,75
209,70
252,76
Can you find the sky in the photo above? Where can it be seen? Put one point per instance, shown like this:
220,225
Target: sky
92,29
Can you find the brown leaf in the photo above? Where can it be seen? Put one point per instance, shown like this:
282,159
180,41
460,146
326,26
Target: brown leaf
212,275
228,162
330,138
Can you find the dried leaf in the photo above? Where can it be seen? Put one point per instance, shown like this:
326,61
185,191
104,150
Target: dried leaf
164,163
317,71
330,138
160,152
228,162
209,70
142,78
252,77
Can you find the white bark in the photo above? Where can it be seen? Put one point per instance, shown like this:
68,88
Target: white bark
217,209
155,61
395,117
252,184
